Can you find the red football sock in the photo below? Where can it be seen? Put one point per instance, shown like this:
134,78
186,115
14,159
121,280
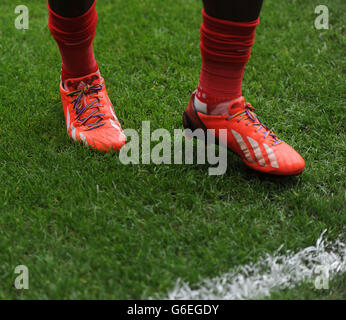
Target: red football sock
225,49
74,37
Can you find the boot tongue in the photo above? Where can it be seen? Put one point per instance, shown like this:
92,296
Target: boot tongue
236,105
79,83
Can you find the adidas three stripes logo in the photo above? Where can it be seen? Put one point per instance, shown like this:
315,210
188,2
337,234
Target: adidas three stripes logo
257,151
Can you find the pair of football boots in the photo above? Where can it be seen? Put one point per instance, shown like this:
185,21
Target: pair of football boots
90,118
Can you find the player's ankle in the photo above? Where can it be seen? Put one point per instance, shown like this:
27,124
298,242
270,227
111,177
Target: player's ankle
65,76
213,105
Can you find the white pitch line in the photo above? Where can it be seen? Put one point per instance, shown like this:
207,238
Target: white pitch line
272,272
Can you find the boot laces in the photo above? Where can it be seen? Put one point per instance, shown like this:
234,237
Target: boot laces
249,114
90,91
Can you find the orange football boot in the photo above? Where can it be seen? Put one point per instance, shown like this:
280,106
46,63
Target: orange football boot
258,147
89,113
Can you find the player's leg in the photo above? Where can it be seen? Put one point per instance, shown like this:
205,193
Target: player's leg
70,9
73,25
227,35
88,111
245,10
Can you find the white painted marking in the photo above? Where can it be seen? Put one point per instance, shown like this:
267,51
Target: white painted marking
272,272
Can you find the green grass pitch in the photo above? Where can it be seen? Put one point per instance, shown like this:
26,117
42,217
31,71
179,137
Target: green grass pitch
89,227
